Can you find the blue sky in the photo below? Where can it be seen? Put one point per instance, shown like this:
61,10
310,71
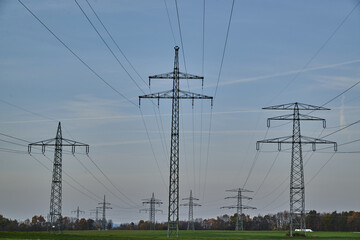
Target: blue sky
277,52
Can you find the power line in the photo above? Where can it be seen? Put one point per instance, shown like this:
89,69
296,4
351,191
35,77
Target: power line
320,49
107,46
80,59
6,135
97,179
96,199
168,15
207,154
202,92
349,125
267,174
256,157
217,85
317,173
103,40
8,150
77,56
181,39
72,186
131,65
153,152
109,180
223,54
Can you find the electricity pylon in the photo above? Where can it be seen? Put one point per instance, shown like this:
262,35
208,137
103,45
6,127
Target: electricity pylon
239,207
297,187
152,202
78,211
104,206
175,94
56,185
191,205
96,212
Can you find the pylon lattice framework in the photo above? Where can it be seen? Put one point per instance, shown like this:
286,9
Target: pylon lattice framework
96,212
56,185
78,211
297,187
152,210
239,225
104,205
191,205
175,94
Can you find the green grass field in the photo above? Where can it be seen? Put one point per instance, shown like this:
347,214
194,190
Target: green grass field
188,235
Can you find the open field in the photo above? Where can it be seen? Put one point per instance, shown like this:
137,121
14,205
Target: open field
97,235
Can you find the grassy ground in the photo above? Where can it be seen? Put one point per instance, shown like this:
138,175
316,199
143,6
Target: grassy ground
186,235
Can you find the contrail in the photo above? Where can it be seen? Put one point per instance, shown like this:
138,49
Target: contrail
251,79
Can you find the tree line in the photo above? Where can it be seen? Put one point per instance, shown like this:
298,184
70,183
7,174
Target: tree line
38,223
335,221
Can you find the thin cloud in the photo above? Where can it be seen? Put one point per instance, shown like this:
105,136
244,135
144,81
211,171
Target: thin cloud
251,79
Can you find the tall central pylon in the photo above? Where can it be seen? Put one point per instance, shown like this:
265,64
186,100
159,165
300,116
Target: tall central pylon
297,186
175,94
56,185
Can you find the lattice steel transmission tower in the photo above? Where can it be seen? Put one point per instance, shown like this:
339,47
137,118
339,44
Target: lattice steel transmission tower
96,212
104,206
152,210
239,206
56,185
175,94
191,205
297,187
78,211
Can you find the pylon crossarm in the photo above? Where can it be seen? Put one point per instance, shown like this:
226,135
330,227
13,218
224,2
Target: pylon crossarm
164,94
191,95
290,106
155,201
190,199
40,143
302,140
169,94
171,75
52,143
314,141
238,189
290,117
72,143
231,197
248,207
246,197
229,207
280,140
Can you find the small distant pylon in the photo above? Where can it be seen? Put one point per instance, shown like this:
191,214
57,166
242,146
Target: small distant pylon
152,202
239,207
78,211
191,205
56,185
96,212
104,206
